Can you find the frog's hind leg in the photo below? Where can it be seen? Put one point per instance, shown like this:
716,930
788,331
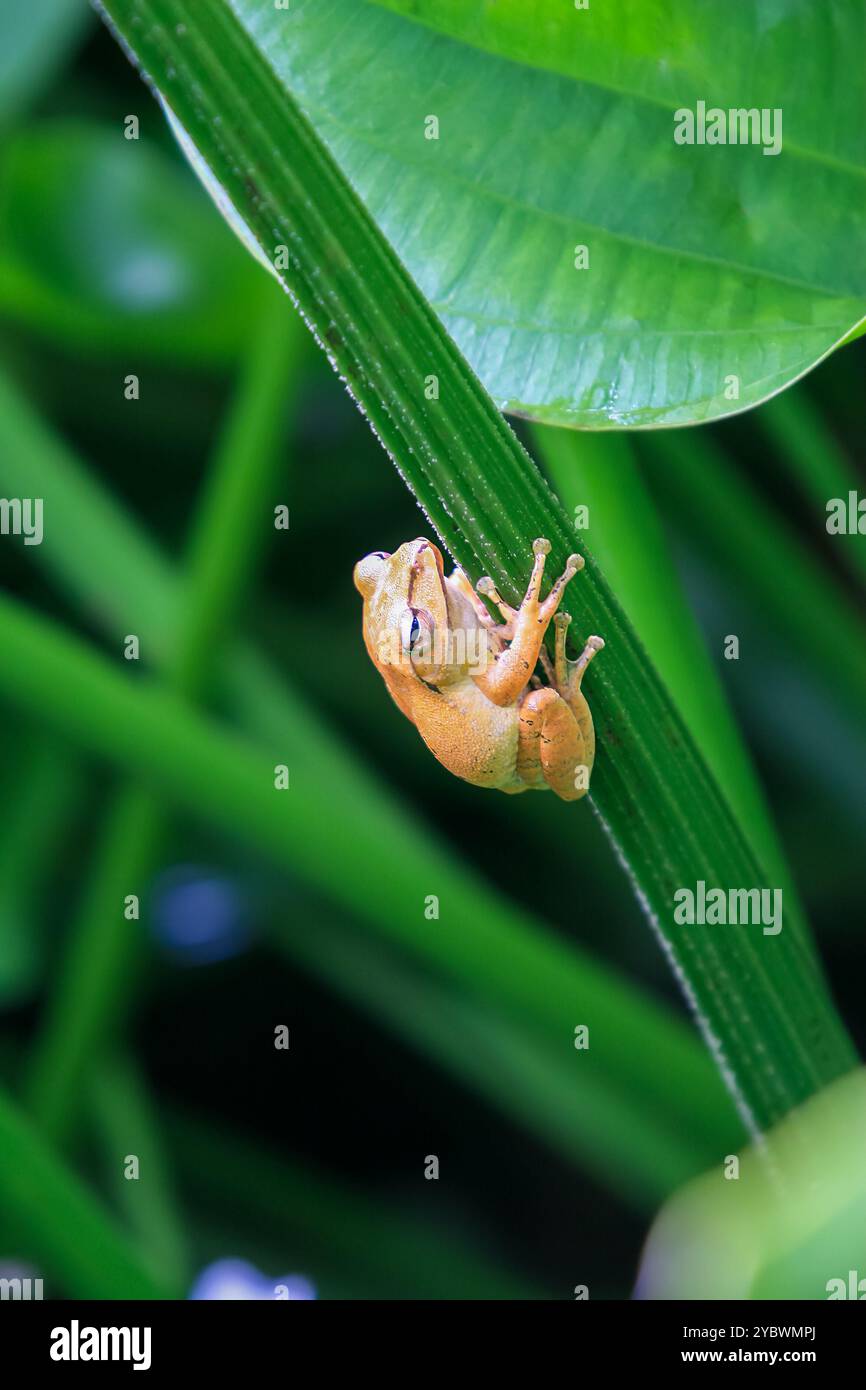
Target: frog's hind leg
569,675
550,745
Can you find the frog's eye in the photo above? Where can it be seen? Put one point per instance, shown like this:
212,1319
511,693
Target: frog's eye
416,631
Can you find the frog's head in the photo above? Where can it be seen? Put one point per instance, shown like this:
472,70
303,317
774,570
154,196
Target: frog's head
405,613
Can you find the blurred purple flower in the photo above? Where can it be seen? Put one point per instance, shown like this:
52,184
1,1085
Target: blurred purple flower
238,1280
198,916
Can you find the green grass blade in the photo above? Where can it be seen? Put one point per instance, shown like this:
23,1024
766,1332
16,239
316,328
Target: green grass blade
702,486
601,472
544,1087
227,781
102,961
324,1225
756,999
126,1125
35,40
60,1225
92,990
811,456
147,596
239,498
46,785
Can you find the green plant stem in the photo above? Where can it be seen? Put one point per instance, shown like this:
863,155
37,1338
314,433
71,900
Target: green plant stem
102,961
127,1126
702,487
579,1111
45,788
670,824
810,455
228,782
326,1225
138,589
63,1228
93,989
600,471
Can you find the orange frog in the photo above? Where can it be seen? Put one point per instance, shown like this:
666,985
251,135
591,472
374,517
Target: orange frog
467,683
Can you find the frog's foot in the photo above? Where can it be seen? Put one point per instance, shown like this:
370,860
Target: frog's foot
524,628
547,666
569,674
573,565
458,580
544,610
486,587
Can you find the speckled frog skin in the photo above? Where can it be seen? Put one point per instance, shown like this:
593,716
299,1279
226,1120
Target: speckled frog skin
468,683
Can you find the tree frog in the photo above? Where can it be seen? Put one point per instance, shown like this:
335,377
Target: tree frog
468,683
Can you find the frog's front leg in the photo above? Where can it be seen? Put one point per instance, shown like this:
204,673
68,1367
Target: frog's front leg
503,681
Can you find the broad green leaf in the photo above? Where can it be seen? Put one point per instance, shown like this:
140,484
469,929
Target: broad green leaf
106,246
556,130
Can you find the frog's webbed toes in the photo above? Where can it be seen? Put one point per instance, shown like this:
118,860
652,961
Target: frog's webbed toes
487,587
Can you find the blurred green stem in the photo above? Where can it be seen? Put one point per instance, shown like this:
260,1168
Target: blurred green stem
326,1225
810,454
317,829
45,785
92,989
600,471
63,1228
104,560
729,521
127,1126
